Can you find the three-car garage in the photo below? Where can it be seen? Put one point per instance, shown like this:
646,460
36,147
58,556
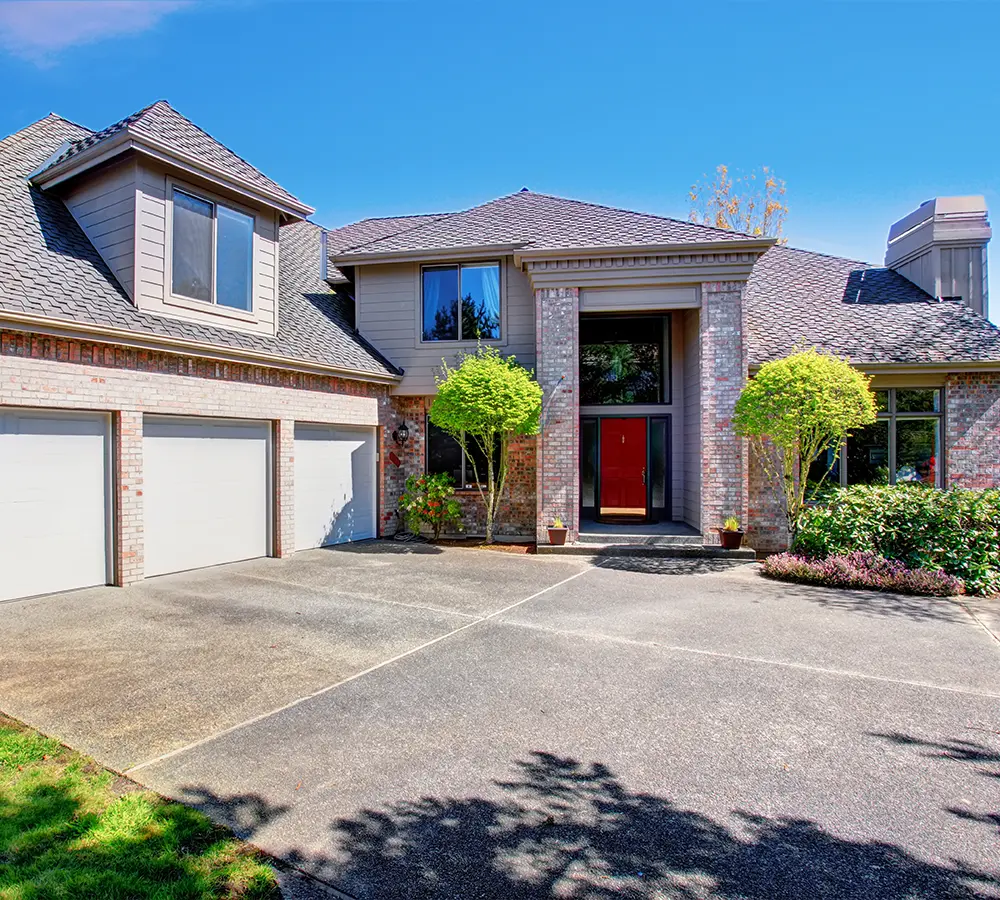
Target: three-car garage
208,494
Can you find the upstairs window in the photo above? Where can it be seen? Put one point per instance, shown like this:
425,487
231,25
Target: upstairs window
461,303
212,255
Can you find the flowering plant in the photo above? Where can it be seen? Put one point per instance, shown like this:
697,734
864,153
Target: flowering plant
429,500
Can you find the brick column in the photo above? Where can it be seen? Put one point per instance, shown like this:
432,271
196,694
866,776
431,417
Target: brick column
724,456
557,332
284,488
972,430
129,566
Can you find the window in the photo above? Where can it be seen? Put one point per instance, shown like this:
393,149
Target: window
212,255
621,360
444,455
461,303
903,446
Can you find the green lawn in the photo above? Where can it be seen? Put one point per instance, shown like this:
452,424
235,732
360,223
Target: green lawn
70,829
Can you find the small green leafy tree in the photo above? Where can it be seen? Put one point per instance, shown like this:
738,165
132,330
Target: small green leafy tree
793,411
429,500
485,402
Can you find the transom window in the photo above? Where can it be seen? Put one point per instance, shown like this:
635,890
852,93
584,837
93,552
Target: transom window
461,302
212,255
622,360
902,447
445,456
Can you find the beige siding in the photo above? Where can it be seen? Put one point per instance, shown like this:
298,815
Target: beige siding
104,206
692,418
388,315
151,260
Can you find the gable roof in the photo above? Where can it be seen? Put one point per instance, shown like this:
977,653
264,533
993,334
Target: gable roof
528,221
339,240
870,314
48,268
159,124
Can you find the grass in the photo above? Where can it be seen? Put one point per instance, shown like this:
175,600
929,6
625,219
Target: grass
70,829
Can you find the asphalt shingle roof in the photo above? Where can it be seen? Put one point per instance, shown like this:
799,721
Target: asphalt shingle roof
341,239
160,122
48,267
541,222
869,314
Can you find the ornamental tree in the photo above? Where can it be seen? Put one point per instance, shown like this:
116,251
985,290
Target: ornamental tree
793,411
485,402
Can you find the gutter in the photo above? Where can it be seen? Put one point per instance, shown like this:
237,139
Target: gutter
915,368
478,250
83,331
754,246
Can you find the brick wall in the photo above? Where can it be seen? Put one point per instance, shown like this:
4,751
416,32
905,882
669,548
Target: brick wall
41,371
724,456
557,324
972,439
767,528
517,508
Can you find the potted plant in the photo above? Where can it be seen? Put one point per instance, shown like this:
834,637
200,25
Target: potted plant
557,532
730,534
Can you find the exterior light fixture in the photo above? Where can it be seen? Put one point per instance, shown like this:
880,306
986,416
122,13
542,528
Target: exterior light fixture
402,434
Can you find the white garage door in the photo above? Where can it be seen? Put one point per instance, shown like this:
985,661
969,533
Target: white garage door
334,485
205,492
53,501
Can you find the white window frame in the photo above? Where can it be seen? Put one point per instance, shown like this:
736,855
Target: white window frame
472,263
170,297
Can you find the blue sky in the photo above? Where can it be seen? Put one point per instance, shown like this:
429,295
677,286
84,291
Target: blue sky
380,108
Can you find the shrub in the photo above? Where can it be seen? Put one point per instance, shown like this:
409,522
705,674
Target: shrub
955,531
429,500
862,570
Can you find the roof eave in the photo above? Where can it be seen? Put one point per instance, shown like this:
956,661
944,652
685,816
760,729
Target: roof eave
916,368
125,337
126,140
475,251
757,246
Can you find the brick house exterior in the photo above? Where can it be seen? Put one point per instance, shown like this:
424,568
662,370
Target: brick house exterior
331,353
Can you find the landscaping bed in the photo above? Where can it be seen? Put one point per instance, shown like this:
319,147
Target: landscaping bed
69,828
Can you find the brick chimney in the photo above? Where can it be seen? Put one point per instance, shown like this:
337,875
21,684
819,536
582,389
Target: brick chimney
941,247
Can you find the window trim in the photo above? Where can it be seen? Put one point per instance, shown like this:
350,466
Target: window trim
891,416
172,299
501,340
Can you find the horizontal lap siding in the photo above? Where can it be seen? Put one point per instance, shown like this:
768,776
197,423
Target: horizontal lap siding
692,419
104,207
388,315
153,289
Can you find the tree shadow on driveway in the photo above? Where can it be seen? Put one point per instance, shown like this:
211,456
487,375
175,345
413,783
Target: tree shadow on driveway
562,829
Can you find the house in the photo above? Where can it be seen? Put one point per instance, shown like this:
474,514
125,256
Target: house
192,373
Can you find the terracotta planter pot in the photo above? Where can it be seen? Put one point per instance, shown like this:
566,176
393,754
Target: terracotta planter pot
557,536
730,540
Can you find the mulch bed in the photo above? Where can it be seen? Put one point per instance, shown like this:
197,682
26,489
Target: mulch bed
518,548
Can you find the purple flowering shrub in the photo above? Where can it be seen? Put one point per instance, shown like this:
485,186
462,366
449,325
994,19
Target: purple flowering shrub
862,569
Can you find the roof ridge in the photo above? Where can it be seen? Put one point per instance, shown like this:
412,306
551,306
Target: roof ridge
24,132
395,234
859,262
142,114
634,212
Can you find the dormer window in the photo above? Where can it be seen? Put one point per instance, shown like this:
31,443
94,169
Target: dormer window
212,251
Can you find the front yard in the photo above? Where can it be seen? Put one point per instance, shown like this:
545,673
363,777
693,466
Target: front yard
70,829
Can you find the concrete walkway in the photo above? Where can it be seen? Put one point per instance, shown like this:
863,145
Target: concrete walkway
474,724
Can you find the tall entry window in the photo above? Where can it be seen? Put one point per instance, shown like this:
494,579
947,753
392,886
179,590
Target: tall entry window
211,252
622,360
461,303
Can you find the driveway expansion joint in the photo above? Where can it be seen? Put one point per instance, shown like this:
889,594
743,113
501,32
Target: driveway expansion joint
331,687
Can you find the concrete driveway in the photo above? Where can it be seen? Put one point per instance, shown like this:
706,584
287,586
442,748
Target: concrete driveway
409,722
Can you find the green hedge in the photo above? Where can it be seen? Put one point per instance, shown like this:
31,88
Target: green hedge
957,531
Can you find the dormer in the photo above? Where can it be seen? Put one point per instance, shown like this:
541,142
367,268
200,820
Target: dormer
189,229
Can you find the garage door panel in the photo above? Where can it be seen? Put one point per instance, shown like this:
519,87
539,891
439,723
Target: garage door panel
53,501
205,492
334,485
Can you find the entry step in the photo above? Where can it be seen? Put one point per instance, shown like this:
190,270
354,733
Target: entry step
670,549
640,539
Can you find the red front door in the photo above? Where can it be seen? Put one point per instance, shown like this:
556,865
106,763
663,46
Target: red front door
623,467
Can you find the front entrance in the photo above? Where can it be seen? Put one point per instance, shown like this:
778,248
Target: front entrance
623,469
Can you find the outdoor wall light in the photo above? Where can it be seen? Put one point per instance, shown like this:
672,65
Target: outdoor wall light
401,434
